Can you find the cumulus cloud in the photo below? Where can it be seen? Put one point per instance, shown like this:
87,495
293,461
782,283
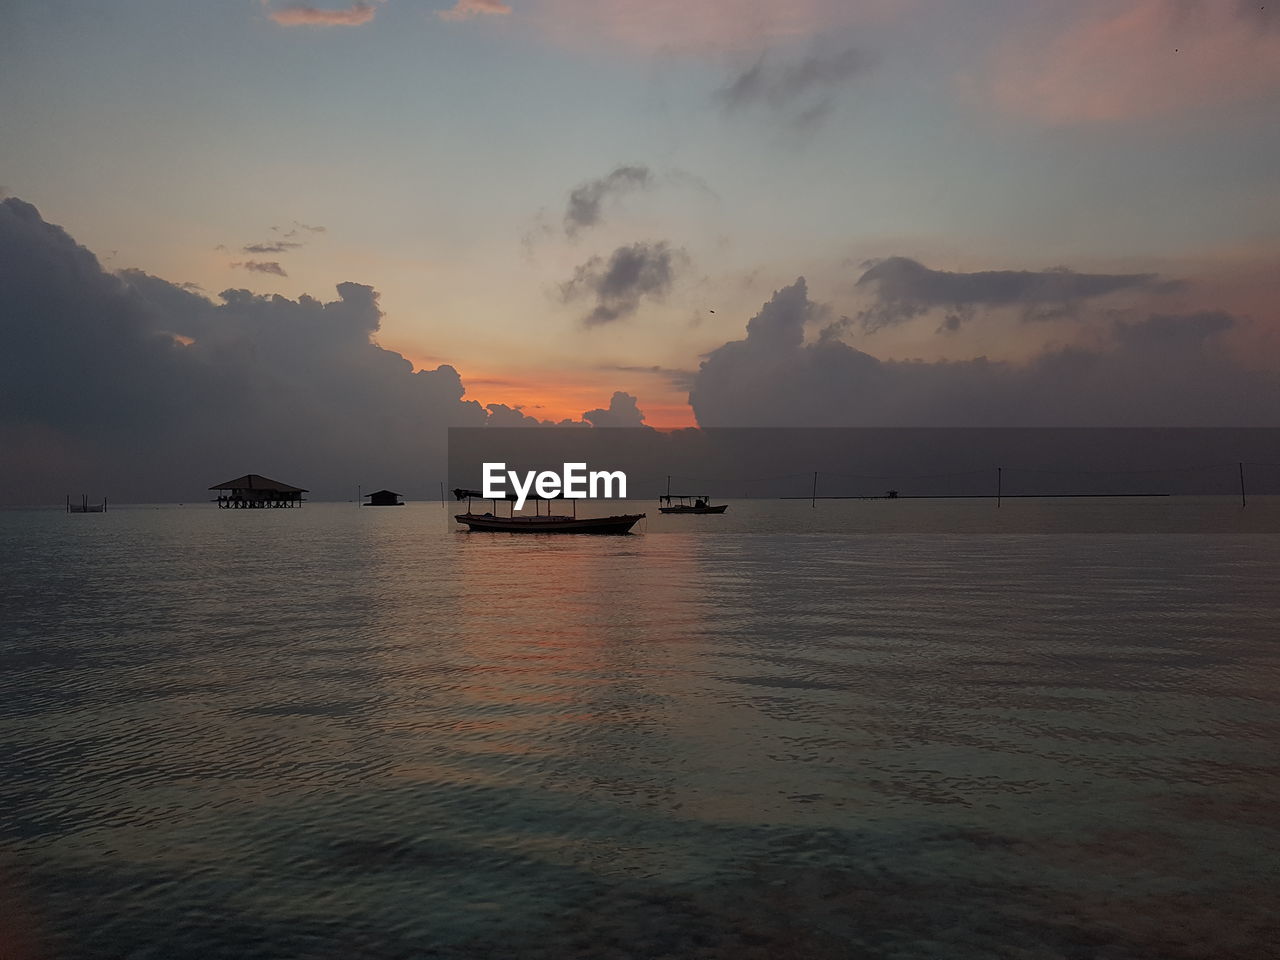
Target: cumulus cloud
466,9
262,266
904,289
623,411
803,90
585,200
632,273
1166,370
132,385
305,15
149,390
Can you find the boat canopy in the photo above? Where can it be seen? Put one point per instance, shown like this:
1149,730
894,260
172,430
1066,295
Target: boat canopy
460,493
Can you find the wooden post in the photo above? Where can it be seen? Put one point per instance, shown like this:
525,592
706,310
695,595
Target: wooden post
1241,466
999,485
442,493
813,499
359,495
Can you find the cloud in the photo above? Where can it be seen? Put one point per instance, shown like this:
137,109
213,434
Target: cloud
305,15
97,392
802,91
1119,60
262,266
904,289
623,411
466,9
585,200
148,390
271,246
1166,370
316,229
632,273
680,379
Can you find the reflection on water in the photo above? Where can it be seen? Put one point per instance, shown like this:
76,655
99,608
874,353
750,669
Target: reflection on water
338,733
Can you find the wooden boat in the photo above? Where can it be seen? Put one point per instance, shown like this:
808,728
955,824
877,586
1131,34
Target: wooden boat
84,506
541,522
689,504
549,523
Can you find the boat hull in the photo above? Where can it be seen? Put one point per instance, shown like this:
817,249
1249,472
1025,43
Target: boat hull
488,523
719,508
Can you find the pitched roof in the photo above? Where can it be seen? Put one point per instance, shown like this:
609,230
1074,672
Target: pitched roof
255,481
384,493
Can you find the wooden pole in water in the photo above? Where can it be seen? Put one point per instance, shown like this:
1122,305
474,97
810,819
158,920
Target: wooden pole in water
359,495
442,493
999,485
813,499
1241,466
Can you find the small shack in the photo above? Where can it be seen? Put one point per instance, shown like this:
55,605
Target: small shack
384,498
254,491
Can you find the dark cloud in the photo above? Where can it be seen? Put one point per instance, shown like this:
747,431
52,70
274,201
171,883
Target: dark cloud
271,246
262,266
98,392
127,384
623,411
803,91
632,273
315,229
586,199
680,379
1167,370
904,289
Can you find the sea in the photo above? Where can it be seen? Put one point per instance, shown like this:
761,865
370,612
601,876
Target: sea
837,729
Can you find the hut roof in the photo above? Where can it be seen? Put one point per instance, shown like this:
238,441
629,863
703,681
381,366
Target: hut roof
384,493
255,481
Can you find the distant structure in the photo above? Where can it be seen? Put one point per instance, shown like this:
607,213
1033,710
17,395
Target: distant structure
254,491
84,506
891,495
384,498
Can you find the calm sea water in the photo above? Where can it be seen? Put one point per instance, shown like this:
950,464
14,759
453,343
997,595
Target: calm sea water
342,733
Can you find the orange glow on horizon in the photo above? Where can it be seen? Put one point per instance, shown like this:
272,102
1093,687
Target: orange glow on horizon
555,399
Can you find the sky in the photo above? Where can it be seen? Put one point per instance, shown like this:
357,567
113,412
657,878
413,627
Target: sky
733,213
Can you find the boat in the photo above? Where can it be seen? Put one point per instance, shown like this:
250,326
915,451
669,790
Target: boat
84,506
493,522
689,504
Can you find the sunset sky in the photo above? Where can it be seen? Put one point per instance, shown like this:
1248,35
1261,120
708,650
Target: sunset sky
561,199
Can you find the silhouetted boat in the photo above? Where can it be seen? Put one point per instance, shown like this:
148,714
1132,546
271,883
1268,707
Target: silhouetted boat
492,522
689,504
549,524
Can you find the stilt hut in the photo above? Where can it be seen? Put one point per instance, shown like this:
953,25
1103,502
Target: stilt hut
384,498
254,491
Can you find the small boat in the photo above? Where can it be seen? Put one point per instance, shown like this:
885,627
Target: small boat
540,523
689,504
